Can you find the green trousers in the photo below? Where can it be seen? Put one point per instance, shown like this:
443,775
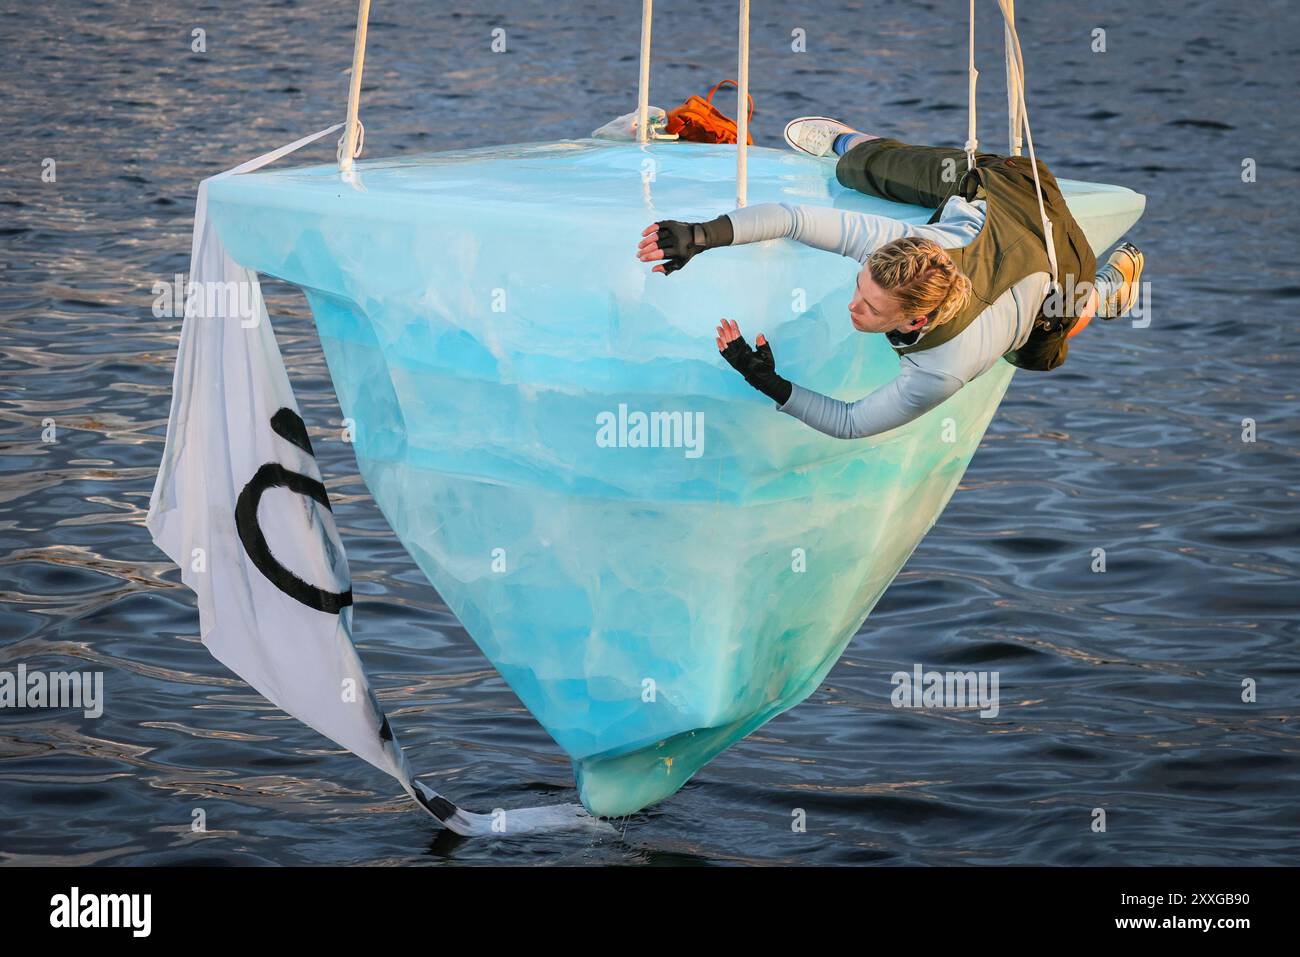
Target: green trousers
918,175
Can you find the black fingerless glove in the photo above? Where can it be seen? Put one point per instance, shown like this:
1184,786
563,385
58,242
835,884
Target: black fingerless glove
758,366
680,241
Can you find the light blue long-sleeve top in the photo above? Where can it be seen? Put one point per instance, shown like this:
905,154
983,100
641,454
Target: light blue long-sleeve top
925,379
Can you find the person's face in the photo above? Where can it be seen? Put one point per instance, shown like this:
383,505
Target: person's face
873,309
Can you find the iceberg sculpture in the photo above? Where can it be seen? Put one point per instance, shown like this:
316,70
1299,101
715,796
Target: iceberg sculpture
655,561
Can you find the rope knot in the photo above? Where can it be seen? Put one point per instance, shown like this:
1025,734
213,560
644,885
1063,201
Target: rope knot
343,141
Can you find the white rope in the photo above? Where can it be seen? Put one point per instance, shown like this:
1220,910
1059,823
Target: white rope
1015,82
350,147
972,142
742,108
1009,20
643,84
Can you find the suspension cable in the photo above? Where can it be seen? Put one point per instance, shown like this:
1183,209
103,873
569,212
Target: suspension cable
972,142
742,109
643,83
350,145
1014,83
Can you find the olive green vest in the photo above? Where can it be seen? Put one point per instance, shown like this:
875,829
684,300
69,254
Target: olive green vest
1009,247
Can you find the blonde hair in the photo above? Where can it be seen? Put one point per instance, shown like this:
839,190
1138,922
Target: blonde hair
921,278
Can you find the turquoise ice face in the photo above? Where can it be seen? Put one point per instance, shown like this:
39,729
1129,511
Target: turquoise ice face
655,559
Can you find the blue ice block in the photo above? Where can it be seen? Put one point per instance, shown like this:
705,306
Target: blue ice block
492,335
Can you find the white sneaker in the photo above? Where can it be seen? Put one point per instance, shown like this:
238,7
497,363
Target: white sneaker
814,135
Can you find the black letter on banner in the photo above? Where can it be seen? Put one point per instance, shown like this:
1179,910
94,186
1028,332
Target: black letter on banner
289,426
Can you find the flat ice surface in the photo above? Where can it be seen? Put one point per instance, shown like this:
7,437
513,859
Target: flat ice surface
483,313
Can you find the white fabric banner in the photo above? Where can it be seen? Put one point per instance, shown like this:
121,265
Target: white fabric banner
240,507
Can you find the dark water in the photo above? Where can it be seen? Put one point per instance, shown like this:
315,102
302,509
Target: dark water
1120,690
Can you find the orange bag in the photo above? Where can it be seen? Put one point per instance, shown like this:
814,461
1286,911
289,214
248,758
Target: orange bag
700,121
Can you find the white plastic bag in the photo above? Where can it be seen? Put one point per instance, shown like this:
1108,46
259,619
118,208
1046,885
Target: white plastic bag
624,127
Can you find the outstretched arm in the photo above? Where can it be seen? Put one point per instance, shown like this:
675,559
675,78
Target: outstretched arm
909,395
848,233
852,234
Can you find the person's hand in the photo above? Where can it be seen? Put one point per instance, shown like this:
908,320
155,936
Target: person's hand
676,242
758,366
671,241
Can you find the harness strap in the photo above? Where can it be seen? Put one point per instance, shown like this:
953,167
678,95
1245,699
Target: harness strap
1014,38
